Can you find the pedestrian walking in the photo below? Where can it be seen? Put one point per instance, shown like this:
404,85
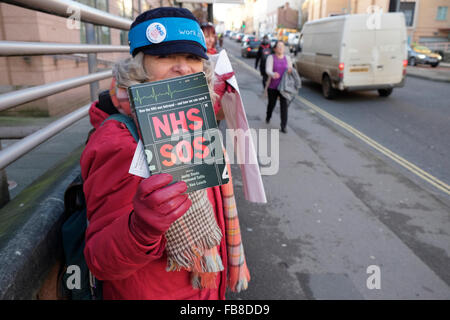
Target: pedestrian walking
276,65
264,51
220,37
142,239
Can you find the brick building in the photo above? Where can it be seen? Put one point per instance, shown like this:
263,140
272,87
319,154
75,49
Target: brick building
427,21
19,24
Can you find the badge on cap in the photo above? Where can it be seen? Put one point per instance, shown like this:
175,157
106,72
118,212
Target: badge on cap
156,32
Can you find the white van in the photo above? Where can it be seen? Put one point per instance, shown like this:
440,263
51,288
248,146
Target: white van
354,52
293,41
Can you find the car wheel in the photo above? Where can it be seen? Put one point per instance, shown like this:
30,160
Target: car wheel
434,65
412,61
385,92
327,89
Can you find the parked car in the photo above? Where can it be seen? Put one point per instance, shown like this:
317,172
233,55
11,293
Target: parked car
250,48
342,53
293,42
283,34
248,37
233,35
423,55
239,37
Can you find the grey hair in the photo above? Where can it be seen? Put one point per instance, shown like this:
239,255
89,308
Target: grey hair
131,71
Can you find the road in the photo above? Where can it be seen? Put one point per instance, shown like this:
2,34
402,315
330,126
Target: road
413,122
339,211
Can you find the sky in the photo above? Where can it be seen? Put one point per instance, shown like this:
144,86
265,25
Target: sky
220,10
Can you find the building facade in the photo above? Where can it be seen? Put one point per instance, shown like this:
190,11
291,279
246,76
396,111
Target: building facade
427,21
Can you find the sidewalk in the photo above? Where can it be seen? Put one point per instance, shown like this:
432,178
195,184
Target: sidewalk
440,73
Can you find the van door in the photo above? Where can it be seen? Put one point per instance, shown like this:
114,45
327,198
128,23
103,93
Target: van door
389,52
357,55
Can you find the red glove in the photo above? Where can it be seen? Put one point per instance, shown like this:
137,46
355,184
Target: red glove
157,206
220,87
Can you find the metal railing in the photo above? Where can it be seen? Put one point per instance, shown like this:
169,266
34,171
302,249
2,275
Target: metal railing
62,8
66,8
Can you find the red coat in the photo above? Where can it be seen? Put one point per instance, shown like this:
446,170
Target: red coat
128,269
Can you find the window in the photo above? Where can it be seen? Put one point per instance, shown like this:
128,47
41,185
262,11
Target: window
126,11
408,9
123,38
441,13
125,8
102,34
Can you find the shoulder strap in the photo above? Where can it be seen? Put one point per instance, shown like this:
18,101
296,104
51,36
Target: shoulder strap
128,121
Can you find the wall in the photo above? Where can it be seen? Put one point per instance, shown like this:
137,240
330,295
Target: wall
426,23
19,24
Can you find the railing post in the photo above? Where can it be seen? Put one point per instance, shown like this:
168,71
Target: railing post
92,60
4,191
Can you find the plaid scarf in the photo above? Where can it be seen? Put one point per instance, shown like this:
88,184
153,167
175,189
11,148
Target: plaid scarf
238,273
193,240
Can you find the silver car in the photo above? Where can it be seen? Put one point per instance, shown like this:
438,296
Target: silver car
415,57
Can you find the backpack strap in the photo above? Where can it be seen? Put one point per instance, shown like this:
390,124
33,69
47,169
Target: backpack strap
128,121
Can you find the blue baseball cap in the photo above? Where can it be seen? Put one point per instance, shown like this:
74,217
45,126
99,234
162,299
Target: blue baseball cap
167,30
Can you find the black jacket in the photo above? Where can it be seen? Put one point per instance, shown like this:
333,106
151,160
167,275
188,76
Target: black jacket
264,51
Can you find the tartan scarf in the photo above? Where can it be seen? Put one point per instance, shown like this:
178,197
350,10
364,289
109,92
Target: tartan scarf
238,273
193,240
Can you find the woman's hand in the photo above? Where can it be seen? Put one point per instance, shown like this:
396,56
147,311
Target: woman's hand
156,206
289,70
276,75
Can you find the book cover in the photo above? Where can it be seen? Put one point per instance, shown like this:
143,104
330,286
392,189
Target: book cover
179,130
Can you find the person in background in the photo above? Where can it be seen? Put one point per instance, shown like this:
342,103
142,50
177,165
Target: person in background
142,239
276,65
220,37
210,36
264,51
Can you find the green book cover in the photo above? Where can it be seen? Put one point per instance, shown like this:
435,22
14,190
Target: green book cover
179,130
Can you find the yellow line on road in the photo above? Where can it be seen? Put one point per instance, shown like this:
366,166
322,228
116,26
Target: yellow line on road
393,156
388,153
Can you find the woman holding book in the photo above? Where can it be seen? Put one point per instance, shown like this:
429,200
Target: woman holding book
144,240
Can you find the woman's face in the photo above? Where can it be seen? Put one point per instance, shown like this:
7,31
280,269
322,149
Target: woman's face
279,49
210,38
171,66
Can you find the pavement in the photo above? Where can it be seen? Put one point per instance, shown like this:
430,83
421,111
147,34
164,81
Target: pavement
336,211
440,73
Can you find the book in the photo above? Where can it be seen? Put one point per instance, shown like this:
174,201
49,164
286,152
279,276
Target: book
179,130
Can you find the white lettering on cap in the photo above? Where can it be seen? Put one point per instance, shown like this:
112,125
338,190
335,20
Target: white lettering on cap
156,32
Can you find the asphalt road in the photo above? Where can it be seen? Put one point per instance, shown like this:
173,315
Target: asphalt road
337,207
414,122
